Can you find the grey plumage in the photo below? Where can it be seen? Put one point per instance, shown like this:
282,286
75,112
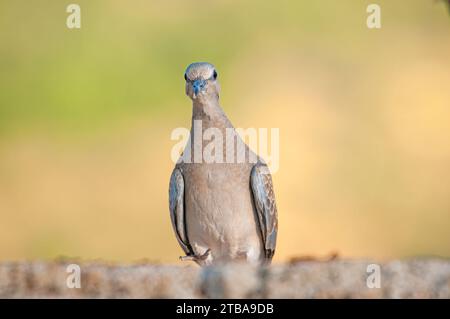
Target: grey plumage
177,214
264,199
220,211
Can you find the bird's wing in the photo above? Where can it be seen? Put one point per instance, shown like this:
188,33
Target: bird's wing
176,206
264,199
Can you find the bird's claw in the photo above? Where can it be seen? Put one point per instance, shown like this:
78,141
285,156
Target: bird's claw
196,257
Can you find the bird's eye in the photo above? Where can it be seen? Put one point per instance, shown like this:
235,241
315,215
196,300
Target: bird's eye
185,77
215,75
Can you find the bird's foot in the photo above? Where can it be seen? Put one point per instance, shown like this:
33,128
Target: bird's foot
196,257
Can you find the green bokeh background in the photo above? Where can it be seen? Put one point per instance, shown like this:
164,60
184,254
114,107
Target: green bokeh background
86,117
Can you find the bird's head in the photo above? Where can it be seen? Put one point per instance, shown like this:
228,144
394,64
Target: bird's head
201,82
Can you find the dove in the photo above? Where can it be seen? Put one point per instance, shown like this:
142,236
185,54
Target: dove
220,211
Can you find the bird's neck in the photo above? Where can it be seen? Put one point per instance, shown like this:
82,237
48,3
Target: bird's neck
210,113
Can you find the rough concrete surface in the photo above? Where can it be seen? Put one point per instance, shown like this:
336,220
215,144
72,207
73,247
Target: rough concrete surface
416,278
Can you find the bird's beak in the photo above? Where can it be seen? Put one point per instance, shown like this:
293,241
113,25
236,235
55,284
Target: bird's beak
198,86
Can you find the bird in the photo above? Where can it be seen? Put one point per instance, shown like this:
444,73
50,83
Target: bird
220,212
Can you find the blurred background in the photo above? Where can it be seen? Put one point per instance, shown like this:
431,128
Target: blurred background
86,116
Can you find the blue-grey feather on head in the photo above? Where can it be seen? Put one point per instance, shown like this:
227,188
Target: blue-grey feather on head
201,81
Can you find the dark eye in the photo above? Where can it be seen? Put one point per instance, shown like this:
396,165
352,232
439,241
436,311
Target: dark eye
215,75
185,77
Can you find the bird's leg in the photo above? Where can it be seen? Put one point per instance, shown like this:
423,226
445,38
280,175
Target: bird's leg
196,257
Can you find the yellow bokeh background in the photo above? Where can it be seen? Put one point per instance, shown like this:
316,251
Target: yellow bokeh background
86,117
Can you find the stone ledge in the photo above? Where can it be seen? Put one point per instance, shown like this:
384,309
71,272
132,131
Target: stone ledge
417,278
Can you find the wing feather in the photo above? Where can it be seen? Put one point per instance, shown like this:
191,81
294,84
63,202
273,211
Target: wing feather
264,199
177,213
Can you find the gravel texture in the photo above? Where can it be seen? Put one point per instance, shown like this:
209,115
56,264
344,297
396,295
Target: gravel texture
415,278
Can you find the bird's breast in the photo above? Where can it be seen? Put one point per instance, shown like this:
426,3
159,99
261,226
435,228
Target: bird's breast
219,206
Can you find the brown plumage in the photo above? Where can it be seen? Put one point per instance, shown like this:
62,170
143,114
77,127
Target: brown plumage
220,211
